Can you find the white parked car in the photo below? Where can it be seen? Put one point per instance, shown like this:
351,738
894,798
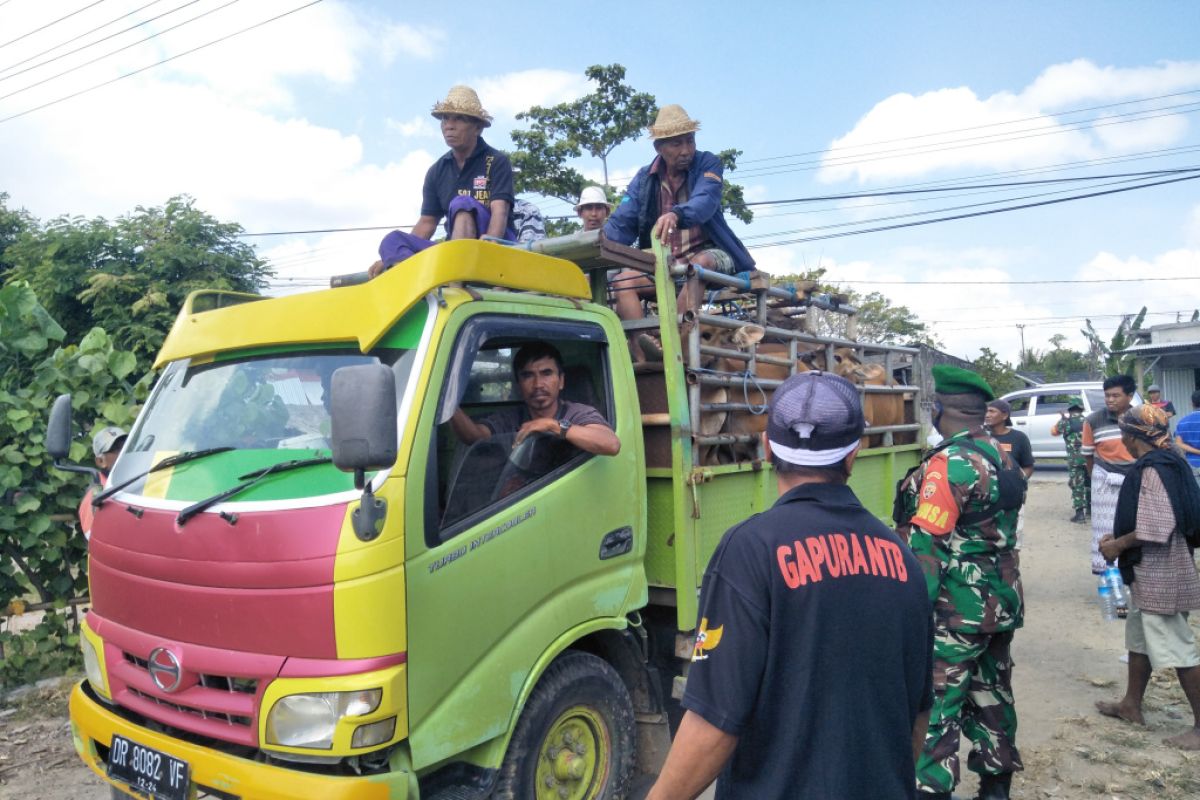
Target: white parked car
1036,409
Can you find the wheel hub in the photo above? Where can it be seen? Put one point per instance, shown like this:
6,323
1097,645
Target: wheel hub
572,760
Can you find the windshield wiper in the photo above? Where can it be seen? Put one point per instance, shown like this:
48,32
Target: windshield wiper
169,461
254,477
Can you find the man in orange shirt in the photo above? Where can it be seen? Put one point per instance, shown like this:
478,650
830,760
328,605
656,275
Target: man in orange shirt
1107,459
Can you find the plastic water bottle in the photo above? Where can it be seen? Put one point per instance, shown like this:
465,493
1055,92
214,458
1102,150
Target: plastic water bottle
1112,577
1108,604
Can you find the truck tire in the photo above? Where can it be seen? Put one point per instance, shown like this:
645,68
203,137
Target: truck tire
576,734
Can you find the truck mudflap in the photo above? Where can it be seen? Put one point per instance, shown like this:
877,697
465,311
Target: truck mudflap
217,774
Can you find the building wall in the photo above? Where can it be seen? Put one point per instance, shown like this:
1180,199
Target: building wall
1177,386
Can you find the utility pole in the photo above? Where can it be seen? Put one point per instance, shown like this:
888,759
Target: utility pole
1021,360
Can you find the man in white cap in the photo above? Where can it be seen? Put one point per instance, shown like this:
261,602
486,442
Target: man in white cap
811,675
106,447
593,208
471,186
676,199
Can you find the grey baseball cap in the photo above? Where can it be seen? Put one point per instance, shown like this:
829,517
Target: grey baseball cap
1154,387
816,419
104,441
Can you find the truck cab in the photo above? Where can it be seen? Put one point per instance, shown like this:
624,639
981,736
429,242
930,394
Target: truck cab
277,615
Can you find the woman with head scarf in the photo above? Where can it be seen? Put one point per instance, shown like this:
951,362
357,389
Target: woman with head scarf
1156,529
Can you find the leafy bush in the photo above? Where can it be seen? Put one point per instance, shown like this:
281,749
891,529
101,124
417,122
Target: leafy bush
49,648
39,549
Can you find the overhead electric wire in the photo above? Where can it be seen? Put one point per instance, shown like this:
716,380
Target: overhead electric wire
809,166
51,24
118,50
946,208
976,213
224,38
975,127
92,44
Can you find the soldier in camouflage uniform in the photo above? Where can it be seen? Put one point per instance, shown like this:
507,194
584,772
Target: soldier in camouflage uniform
950,516
1070,427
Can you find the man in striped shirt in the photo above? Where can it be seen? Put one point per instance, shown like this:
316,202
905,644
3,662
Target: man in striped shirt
1108,460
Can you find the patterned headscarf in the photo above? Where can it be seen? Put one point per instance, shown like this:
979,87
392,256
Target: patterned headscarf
1148,423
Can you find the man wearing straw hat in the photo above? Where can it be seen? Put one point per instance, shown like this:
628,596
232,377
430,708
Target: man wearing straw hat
593,208
471,186
676,199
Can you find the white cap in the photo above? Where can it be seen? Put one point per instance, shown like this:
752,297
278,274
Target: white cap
106,439
592,195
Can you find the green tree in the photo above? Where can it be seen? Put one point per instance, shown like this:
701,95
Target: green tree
999,374
1106,354
1058,363
595,125
12,225
879,320
131,276
40,551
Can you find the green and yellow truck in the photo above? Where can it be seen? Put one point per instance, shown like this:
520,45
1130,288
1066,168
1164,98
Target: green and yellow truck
303,586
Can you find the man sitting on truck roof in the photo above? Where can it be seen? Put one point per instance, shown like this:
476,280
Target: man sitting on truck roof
677,200
538,370
471,186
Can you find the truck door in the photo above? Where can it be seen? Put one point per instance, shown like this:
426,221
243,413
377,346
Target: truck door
519,547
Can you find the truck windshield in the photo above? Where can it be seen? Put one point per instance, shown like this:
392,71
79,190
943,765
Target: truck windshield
267,409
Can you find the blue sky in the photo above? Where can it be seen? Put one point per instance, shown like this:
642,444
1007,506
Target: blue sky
321,120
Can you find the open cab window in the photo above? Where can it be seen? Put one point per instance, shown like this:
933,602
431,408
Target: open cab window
474,480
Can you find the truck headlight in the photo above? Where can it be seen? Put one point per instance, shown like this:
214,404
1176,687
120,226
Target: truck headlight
309,720
91,666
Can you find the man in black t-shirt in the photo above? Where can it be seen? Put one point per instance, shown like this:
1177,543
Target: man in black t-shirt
1014,442
811,675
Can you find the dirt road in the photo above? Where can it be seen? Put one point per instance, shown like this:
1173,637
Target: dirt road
1066,659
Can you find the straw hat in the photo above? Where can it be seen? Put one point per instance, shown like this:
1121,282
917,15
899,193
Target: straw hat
672,121
462,100
592,195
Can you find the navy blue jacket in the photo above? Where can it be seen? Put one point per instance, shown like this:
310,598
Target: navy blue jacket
634,219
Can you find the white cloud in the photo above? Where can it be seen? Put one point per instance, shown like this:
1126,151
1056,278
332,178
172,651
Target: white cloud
969,317
902,136
504,96
418,126
1191,228
419,41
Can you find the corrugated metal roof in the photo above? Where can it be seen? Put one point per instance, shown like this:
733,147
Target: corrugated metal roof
1159,349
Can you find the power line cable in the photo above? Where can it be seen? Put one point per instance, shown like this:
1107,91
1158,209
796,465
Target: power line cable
118,50
90,44
159,63
976,127
941,210
909,152
976,214
51,24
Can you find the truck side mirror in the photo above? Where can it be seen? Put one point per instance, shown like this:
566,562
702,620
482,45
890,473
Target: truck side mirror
58,431
363,429
58,438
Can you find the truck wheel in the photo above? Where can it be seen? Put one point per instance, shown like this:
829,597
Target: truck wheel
575,739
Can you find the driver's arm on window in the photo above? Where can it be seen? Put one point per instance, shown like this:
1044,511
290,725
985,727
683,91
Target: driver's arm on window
466,429
598,439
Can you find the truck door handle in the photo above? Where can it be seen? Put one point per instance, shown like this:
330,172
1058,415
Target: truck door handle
616,543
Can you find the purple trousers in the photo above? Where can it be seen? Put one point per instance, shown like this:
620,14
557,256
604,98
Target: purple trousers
398,245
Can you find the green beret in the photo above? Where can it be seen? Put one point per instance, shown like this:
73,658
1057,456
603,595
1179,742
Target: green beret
956,380
1075,402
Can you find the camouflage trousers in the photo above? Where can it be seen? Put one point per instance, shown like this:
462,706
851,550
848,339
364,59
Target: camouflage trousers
972,694
1080,483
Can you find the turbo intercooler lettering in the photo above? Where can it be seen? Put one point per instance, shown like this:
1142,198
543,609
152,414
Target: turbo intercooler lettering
481,540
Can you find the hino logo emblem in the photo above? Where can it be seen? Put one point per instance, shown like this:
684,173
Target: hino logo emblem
164,669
